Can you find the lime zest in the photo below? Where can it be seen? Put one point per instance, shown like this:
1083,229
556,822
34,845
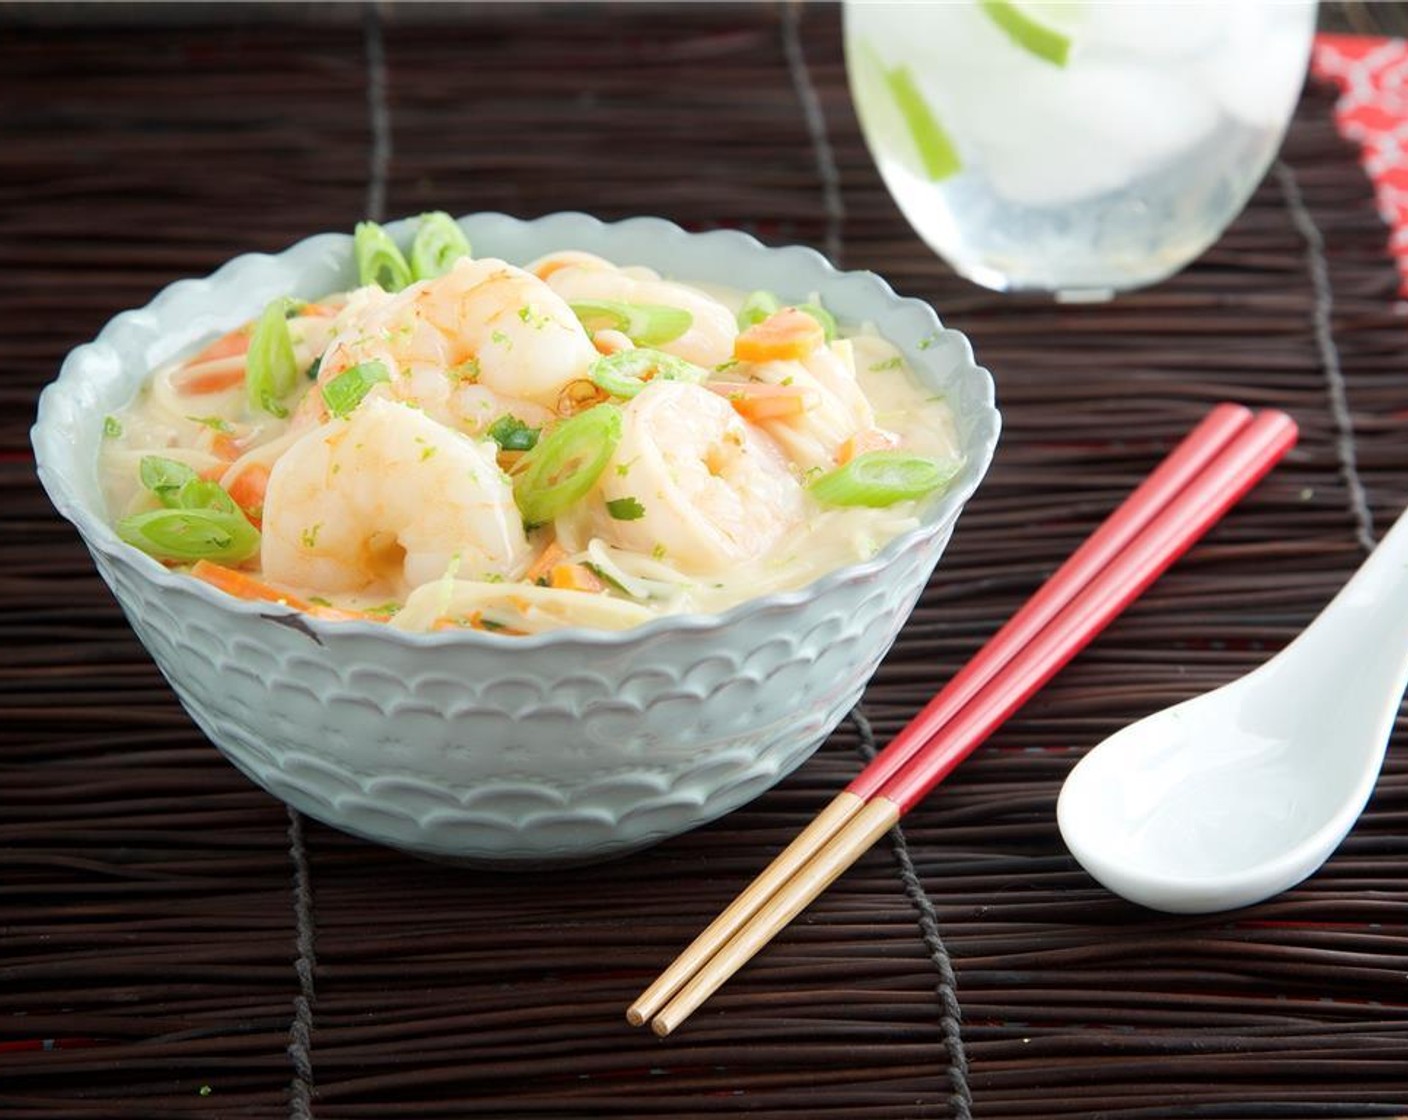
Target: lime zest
1031,35
625,509
936,151
512,434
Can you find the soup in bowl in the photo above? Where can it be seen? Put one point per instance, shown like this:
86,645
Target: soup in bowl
519,541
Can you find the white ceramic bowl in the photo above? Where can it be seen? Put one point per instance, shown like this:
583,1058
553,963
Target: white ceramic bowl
571,745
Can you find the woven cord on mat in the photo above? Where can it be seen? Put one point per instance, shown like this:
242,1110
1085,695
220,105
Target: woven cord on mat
173,943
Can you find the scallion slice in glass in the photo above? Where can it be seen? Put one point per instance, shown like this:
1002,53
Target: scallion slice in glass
937,154
186,535
1030,34
379,261
882,478
270,367
438,244
757,307
566,463
345,391
645,324
625,373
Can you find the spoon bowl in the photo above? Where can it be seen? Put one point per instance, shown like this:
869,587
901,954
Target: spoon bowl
1231,797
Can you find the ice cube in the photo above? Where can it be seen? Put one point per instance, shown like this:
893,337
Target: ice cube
1256,71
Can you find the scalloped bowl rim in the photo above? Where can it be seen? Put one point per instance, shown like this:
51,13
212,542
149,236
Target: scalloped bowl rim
98,534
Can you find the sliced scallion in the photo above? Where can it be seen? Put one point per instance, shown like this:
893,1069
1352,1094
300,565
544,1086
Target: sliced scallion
566,463
177,486
165,477
822,316
439,242
203,494
625,373
757,307
379,261
185,535
270,367
346,391
882,478
645,324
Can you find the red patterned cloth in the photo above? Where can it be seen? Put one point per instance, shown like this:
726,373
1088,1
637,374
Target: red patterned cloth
1372,74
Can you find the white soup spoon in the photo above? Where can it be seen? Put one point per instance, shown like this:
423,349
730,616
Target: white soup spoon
1233,796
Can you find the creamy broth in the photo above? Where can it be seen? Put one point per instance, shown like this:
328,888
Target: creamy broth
567,444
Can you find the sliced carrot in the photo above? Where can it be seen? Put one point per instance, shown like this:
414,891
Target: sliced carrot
868,439
242,585
784,335
316,311
225,446
541,568
574,577
758,401
248,489
226,346
209,377
474,621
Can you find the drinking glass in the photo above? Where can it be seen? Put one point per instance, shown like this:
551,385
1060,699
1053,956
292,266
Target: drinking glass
1075,148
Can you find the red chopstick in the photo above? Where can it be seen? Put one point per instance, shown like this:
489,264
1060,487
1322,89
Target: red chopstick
1227,454
1183,464
935,744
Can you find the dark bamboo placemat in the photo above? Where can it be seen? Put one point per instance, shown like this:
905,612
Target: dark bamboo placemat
173,943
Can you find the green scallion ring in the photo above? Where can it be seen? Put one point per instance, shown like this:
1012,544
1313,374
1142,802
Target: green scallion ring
346,391
757,307
186,535
625,373
438,244
566,463
270,367
379,261
645,324
882,478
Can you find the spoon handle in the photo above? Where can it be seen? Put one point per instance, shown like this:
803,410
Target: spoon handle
1368,619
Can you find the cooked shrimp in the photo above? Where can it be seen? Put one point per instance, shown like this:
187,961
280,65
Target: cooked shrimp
386,501
709,339
483,322
701,488
840,411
